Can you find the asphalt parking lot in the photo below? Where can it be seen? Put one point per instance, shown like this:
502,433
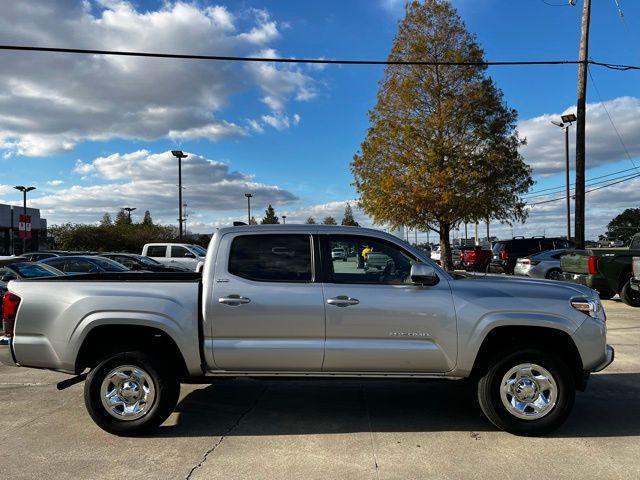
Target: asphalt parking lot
327,430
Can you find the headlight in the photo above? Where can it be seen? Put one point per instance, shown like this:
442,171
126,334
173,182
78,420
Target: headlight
589,306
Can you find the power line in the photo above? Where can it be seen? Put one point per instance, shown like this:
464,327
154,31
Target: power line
563,187
624,147
321,61
586,191
633,175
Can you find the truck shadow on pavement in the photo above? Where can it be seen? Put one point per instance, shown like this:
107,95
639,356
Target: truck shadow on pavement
294,407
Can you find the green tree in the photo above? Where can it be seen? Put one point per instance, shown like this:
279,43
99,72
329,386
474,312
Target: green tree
624,226
348,219
310,221
442,145
270,217
106,219
329,220
147,220
121,217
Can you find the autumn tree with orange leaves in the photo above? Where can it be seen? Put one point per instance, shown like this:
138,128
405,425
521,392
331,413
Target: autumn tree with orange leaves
442,147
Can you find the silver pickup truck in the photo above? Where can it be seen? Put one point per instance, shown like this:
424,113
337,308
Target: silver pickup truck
272,301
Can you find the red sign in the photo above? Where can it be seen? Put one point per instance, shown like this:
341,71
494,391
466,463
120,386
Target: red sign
24,226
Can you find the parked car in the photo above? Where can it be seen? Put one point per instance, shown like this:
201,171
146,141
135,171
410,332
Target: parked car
378,260
339,253
16,270
175,254
455,256
72,265
36,256
140,340
541,265
476,258
505,253
607,270
139,262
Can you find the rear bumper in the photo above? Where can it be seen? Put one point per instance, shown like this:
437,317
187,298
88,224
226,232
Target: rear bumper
594,282
611,353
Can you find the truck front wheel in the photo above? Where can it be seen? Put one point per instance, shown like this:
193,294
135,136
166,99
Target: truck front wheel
129,393
528,392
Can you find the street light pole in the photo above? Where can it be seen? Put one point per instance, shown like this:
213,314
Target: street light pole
284,219
248,195
24,191
179,155
129,210
566,122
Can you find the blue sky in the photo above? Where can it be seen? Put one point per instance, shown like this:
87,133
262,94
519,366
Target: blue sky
92,134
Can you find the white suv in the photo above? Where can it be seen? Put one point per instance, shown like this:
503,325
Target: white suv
175,254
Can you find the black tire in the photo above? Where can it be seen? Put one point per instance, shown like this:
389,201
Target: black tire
489,393
630,296
554,274
165,383
606,295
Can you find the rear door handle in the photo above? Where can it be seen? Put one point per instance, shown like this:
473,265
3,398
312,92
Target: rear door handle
234,300
343,301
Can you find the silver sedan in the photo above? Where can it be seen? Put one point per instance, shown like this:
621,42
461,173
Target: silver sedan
541,265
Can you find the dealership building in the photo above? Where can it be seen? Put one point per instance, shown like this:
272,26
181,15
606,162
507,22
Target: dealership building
10,240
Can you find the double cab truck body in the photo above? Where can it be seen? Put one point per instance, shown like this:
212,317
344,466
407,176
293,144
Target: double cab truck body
273,301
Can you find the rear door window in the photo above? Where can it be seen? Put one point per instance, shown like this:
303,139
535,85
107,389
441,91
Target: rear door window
157,251
271,258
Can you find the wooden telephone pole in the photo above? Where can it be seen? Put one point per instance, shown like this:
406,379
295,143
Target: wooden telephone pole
580,126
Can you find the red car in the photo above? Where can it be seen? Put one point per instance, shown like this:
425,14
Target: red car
476,259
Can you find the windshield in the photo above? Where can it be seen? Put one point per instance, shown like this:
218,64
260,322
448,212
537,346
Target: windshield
498,247
199,250
33,270
147,260
109,265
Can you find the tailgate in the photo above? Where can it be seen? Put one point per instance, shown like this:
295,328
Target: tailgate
575,261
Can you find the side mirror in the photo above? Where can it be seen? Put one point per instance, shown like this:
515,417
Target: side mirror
423,274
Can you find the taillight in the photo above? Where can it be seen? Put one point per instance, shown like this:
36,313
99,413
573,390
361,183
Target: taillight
504,256
10,303
593,264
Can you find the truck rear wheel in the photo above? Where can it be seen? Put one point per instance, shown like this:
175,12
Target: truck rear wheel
129,393
630,296
528,392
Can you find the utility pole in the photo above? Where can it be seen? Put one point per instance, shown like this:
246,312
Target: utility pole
580,126
179,155
476,235
248,195
488,239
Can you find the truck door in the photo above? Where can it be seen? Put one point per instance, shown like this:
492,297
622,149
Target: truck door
267,310
377,320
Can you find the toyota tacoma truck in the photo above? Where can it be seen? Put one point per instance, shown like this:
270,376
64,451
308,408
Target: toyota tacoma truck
272,303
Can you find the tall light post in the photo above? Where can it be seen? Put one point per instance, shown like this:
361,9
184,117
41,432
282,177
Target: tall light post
566,122
24,191
129,210
248,195
179,155
284,219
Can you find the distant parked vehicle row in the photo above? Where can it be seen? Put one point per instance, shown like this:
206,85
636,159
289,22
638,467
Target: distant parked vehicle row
541,265
505,253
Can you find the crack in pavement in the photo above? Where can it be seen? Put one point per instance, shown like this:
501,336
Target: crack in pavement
373,443
226,433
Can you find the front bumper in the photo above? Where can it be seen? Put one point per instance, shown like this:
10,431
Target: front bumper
611,353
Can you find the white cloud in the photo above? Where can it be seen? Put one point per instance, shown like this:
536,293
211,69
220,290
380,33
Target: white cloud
51,102
148,181
280,121
55,183
545,142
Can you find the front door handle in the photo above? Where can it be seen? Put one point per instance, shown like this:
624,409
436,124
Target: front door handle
234,300
343,301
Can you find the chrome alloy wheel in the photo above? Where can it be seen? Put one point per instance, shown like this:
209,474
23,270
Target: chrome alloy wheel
528,391
127,392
